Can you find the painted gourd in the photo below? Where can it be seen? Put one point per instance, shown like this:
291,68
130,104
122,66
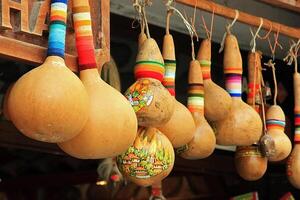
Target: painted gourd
243,125
112,125
5,102
149,160
50,103
151,102
293,163
204,141
217,100
180,129
250,164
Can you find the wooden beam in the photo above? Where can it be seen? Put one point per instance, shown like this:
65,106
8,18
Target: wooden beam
246,18
293,5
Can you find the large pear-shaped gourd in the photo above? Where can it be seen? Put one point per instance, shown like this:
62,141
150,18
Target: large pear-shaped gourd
180,129
112,124
275,119
5,102
50,103
243,125
204,141
149,160
250,164
217,100
151,102
293,163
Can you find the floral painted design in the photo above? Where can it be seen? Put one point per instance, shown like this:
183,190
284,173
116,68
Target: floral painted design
147,157
139,95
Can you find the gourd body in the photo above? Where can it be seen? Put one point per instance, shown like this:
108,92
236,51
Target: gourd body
180,128
204,141
243,125
250,164
49,103
217,101
111,126
151,102
275,126
149,160
5,102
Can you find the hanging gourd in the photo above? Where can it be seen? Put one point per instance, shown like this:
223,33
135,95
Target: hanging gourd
180,129
204,141
149,160
275,126
243,125
50,103
293,163
217,100
250,163
151,102
112,124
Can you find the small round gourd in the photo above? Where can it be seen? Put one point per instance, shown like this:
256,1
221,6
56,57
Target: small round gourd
275,119
149,160
250,164
204,141
50,103
243,125
217,100
180,129
151,102
293,163
112,124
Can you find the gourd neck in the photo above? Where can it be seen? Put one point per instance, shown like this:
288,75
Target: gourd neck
57,28
149,69
169,77
205,67
233,82
195,102
84,37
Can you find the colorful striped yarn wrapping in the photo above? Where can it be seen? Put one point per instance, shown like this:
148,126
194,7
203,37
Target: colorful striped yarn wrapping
275,124
84,37
149,69
233,81
297,126
57,28
205,67
169,78
195,102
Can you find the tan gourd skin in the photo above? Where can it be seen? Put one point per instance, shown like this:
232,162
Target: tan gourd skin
5,103
283,145
180,129
161,107
293,163
112,125
49,103
217,101
204,141
138,144
243,125
249,163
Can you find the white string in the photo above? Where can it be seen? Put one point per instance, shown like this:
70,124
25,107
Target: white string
228,27
253,41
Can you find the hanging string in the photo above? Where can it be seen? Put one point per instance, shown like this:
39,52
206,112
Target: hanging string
263,109
169,13
276,43
146,22
209,32
190,26
293,54
139,6
267,34
271,64
228,30
253,41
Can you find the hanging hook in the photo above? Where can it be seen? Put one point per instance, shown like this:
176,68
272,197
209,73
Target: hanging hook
228,30
253,40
